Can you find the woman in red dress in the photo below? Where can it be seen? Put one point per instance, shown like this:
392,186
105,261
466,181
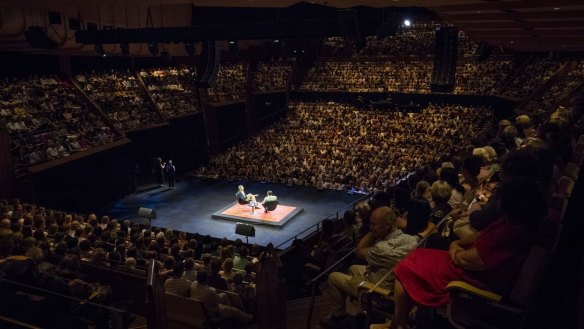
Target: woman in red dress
490,259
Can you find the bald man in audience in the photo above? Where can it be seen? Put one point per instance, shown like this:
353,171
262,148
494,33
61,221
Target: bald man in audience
382,247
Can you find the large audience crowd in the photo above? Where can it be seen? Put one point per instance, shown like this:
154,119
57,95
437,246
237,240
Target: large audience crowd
119,95
47,120
272,76
534,74
338,146
229,85
370,76
59,243
173,89
416,40
466,46
551,97
481,78
494,187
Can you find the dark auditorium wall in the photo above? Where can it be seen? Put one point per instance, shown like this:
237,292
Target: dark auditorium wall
183,141
7,188
91,183
226,124
82,64
28,65
269,108
87,183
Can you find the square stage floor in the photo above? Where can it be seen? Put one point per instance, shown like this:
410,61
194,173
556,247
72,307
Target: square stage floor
244,213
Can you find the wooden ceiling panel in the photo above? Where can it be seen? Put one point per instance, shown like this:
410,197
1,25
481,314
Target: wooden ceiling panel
531,24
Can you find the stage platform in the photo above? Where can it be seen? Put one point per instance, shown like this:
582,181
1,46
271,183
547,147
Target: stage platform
191,206
245,214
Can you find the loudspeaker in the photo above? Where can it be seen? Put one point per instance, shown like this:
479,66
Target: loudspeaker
146,213
244,229
209,66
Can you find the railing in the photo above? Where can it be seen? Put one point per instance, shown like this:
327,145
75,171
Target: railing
317,225
318,278
376,285
109,311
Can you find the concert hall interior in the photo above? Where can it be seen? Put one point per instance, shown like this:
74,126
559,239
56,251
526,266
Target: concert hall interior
289,164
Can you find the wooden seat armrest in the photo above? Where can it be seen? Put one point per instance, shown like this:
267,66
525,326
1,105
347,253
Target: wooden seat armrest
470,289
312,266
368,286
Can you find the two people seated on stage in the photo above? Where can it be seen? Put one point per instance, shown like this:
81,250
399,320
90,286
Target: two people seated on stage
243,198
270,202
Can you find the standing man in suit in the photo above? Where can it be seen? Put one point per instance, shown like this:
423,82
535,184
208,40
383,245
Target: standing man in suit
170,174
269,197
243,198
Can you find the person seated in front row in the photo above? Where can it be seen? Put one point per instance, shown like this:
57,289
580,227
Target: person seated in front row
269,197
216,303
381,248
243,198
490,259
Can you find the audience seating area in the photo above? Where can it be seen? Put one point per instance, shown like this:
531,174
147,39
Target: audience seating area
546,100
466,46
119,95
229,85
470,304
272,76
438,167
535,73
47,120
325,145
74,253
370,76
173,90
481,78
415,41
